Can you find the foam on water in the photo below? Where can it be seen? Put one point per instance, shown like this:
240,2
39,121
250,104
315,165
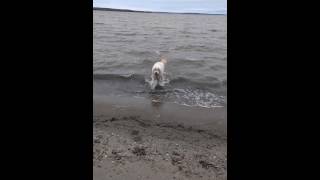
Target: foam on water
169,91
197,97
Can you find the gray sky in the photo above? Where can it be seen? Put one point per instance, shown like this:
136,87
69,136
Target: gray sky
194,6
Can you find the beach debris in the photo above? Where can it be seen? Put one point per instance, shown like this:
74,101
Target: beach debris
134,117
97,139
137,139
113,119
134,132
176,158
206,164
180,126
139,151
116,154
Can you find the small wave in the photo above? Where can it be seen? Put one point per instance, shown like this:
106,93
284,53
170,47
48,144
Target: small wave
192,59
148,61
121,41
190,47
217,67
179,82
118,77
188,62
188,97
140,53
213,83
162,27
125,34
189,94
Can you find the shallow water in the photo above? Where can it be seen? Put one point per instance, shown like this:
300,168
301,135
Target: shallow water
126,45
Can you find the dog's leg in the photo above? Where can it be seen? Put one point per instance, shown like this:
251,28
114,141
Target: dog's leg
154,84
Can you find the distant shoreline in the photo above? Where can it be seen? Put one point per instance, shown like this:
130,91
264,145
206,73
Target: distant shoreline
128,10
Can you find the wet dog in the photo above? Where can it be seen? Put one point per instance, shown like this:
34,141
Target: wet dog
157,76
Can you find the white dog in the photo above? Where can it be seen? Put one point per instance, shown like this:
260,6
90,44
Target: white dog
157,76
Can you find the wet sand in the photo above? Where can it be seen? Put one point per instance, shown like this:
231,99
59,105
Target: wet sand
135,138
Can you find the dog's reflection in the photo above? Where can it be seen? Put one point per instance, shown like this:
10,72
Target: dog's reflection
156,100
156,103
156,97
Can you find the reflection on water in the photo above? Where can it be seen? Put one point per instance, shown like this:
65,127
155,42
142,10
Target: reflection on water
156,97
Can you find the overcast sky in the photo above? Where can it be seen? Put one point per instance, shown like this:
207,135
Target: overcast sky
193,6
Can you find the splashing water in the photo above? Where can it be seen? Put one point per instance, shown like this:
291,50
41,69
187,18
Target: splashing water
155,83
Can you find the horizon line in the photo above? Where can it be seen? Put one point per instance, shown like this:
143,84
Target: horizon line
148,11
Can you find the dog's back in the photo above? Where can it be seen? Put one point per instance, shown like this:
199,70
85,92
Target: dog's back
160,65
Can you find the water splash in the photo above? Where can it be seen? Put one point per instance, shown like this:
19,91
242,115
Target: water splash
153,84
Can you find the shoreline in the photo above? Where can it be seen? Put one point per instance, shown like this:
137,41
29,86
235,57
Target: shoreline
212,120
133,138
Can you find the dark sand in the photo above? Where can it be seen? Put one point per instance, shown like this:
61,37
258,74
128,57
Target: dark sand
137,139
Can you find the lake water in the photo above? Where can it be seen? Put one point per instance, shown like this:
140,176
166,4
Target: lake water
127,44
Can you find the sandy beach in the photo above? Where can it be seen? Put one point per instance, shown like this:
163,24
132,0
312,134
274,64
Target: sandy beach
137,139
